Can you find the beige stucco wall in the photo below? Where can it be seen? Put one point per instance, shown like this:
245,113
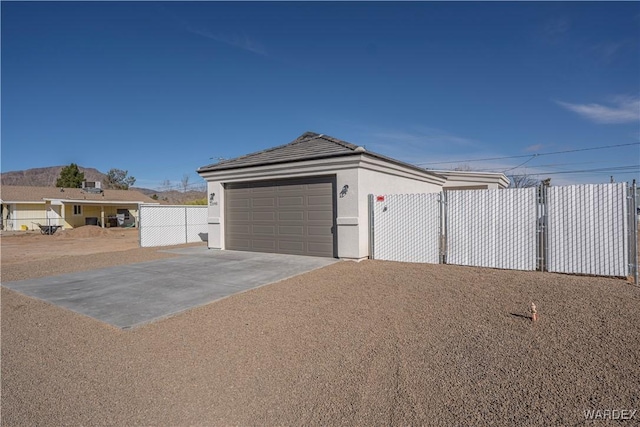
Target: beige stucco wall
89,211
362,174
26,214
470,180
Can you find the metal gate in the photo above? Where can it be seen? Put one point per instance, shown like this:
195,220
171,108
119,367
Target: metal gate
406,227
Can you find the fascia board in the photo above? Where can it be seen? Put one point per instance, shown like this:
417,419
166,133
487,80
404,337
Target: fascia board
479,177
284,170
319,167
378,165
21,202
96,202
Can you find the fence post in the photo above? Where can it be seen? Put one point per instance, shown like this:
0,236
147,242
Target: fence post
633,231
442,224
542,227
140,224
371,229
186,227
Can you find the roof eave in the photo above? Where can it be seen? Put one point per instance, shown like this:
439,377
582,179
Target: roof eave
206,169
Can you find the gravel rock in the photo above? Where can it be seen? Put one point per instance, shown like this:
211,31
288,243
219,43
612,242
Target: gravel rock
370,343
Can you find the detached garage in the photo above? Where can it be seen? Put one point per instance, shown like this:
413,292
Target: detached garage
308,197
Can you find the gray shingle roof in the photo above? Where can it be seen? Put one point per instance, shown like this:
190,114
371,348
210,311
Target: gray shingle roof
307,146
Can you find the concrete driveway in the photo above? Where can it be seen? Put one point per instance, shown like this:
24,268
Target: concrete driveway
131,295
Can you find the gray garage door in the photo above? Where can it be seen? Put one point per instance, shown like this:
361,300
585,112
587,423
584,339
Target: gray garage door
284,216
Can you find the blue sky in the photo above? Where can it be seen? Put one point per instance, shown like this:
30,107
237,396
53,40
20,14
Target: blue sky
161,88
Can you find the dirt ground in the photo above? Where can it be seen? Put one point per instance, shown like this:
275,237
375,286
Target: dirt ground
26,255
80,241
370,343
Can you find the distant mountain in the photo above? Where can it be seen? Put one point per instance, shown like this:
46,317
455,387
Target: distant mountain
46,177
173,197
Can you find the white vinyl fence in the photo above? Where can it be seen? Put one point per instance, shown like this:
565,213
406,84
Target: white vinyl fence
172,225
580,229
587,229
410,238
492,228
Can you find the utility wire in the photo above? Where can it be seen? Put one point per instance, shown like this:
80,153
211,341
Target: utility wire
527,155
616,169
521,164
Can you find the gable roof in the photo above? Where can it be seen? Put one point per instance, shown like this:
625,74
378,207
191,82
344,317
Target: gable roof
20,193
308,146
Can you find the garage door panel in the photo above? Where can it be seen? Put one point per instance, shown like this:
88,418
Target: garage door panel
260,202
268,230
292,216
291,246
319,200
239,229
320,216
291,201
239,203
318,231
261,191
266,245
237,216
269,216
290,230
286,189
317,248
240,244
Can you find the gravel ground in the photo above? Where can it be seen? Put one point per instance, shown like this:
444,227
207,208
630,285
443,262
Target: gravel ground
370,343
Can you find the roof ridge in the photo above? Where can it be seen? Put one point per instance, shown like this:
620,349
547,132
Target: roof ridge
341,142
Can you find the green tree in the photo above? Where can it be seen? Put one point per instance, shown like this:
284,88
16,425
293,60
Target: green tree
154,197
117,179
70,177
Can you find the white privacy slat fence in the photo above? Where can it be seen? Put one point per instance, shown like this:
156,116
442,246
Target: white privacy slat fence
581,229
587,229
407,237
172,225
492,228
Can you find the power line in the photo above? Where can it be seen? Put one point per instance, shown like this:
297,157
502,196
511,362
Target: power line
521,164
529,155
615,169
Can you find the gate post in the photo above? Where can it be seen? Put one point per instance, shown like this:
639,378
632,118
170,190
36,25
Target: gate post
371,229
442,224
542,227
140,225
186,226
633,230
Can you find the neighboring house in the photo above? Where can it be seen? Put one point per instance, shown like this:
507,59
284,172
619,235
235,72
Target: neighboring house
308,197
24,207
470,180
